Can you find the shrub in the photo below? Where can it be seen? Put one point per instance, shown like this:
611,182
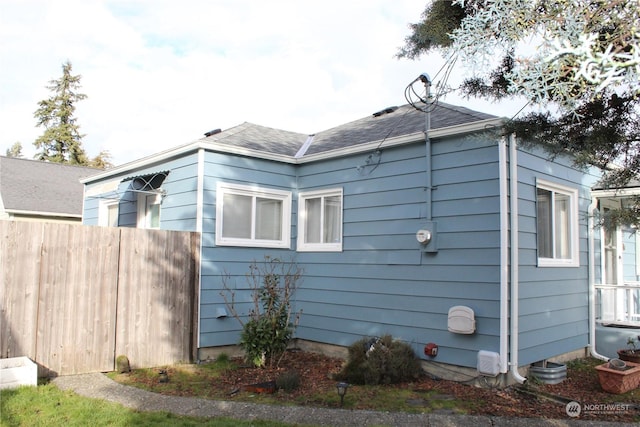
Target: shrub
272,322
383,360
288,381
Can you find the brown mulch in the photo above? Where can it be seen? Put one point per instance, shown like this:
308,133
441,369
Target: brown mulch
532,401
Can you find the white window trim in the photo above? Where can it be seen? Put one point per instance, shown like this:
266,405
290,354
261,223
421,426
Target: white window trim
103,211
253,191
142,220
318,247
574,260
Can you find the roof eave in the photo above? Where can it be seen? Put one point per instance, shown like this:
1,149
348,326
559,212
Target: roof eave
41,213
405,139
213,146
616,193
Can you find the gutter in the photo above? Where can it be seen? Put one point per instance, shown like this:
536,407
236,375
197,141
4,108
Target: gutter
592,287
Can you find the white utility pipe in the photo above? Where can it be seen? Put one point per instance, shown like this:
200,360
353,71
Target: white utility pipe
199,228
515,271
592,287
504,256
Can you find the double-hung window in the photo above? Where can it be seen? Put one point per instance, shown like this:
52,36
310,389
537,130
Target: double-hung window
557,225
252,216
320,221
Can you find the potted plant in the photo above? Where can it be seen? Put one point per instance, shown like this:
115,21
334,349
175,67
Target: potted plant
631,354
617,376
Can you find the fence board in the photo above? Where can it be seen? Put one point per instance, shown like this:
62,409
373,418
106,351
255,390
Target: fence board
19,277
96,293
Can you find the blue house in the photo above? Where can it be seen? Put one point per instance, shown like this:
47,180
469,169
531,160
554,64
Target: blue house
456,238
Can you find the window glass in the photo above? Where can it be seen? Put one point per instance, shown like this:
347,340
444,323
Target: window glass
236,216
332,219
268,219
153,212
545,240
313,225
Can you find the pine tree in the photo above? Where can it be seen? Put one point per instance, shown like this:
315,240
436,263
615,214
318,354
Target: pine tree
61,141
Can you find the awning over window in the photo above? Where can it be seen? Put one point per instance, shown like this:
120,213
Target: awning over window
150,182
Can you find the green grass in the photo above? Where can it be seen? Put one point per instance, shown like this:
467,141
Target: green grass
46,405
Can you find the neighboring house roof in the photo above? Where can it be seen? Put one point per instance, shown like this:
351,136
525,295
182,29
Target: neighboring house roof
41,188
393,125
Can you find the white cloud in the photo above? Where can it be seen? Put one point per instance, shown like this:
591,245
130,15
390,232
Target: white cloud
161,73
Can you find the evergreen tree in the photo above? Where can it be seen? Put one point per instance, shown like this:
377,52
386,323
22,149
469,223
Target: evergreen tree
15,150
61,141
102,160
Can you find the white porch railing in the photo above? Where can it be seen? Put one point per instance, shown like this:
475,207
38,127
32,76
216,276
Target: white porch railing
619,304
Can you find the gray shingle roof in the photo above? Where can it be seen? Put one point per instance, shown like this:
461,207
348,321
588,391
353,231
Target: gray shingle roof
36,186
403,120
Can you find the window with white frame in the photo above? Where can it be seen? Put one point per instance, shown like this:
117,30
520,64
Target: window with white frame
149,210
108,213
320,220
252,216
557,225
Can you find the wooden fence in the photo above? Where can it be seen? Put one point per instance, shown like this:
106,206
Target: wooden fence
75,297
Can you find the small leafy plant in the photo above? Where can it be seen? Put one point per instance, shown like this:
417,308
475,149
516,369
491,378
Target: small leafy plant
631,342
272,321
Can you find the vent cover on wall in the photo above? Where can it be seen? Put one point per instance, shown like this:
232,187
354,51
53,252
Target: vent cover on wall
488,363
461,320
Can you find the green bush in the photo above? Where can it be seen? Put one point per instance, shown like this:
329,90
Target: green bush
288,381
383,360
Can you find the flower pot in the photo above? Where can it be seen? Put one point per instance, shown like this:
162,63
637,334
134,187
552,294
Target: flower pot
629,355
619,381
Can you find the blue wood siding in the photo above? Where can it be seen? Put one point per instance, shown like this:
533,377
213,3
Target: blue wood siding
553,305
178,207
383,282
220,262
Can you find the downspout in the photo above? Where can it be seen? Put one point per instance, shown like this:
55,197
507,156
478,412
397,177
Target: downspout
199,227
515,261
592,286
504,256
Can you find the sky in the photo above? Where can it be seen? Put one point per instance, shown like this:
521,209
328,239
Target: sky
161,73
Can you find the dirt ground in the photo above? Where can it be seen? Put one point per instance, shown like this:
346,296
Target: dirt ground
533,400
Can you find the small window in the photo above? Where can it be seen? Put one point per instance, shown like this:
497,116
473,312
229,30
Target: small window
320,221
149,210
557,225
108,213
251,216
